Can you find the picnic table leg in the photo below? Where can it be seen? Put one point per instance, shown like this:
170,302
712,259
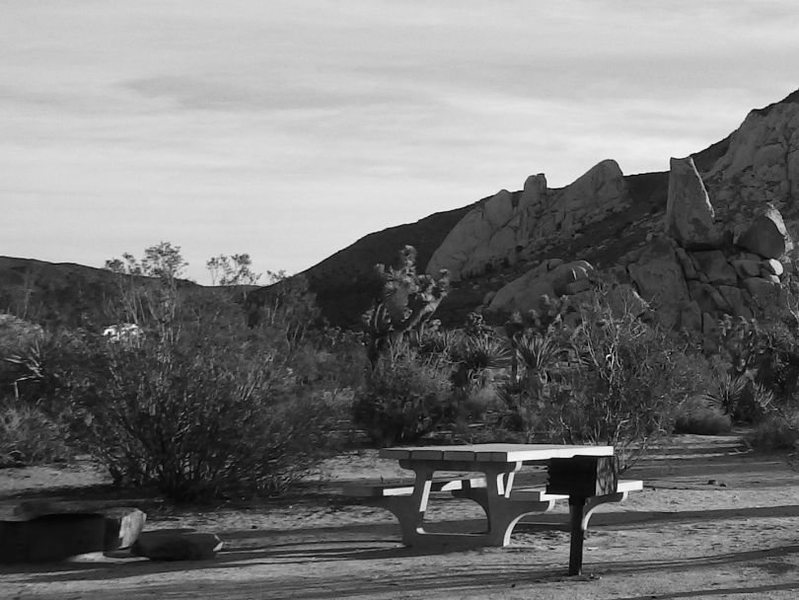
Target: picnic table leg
410,511
501,513
577,521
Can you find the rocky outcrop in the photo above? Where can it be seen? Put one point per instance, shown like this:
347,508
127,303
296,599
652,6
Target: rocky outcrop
660,280
599,191
689,214
600,219
692,288
690,279
552,278
486,235
508,226
760,166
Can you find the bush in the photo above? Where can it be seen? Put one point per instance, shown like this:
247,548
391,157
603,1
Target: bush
775,432
702,416
17,337
36,415
588,375
28,436
199,406
404,397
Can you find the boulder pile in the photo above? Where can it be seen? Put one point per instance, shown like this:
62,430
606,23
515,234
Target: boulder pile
692,274
699,271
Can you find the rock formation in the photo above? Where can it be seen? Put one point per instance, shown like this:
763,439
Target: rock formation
689,214
609,220
690,278
691,285
510,226
551,278
760,166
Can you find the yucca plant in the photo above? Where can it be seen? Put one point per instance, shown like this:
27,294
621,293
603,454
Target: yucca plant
538,354
728,392
480,354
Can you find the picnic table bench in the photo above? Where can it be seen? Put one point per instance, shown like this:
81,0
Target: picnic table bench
585,476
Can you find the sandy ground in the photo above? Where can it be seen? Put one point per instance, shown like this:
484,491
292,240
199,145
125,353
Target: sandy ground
714,521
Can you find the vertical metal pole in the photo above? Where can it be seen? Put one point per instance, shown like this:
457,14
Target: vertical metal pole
576,511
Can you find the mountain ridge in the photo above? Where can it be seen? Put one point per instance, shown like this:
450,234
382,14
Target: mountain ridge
345,283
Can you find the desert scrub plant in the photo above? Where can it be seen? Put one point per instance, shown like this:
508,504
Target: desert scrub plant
762,359
17,337
709,391
587,373
36,416
701,415
541,351
29,436
200,405
776,432
623,386
405,396
476,357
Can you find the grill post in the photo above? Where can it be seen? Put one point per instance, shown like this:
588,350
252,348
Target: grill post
581,478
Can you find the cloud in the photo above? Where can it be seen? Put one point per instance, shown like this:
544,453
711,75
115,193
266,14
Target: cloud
230,95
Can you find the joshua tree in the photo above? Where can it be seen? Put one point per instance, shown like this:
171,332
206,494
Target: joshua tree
406,302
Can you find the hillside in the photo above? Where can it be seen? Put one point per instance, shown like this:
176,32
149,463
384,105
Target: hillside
345,284
55,293
602,217
59,294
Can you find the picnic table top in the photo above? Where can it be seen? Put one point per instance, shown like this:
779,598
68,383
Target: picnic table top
502,453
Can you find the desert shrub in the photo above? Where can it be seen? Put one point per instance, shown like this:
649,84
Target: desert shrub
405,396
29,436
762,360
480,359
17,337
46,369
774,432
200,405
588,375
728,392
621,391
701,415
37,415
477,358
539,359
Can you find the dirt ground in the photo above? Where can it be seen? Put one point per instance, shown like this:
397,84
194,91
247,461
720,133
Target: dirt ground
714,521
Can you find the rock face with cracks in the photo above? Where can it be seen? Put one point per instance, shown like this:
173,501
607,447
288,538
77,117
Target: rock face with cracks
691,277
760,166
689,214
505,227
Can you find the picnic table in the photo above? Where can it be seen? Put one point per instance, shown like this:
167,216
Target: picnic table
586,476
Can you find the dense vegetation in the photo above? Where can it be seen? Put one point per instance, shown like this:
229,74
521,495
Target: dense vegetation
203,393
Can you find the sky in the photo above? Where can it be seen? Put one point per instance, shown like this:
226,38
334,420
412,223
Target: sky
288,129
